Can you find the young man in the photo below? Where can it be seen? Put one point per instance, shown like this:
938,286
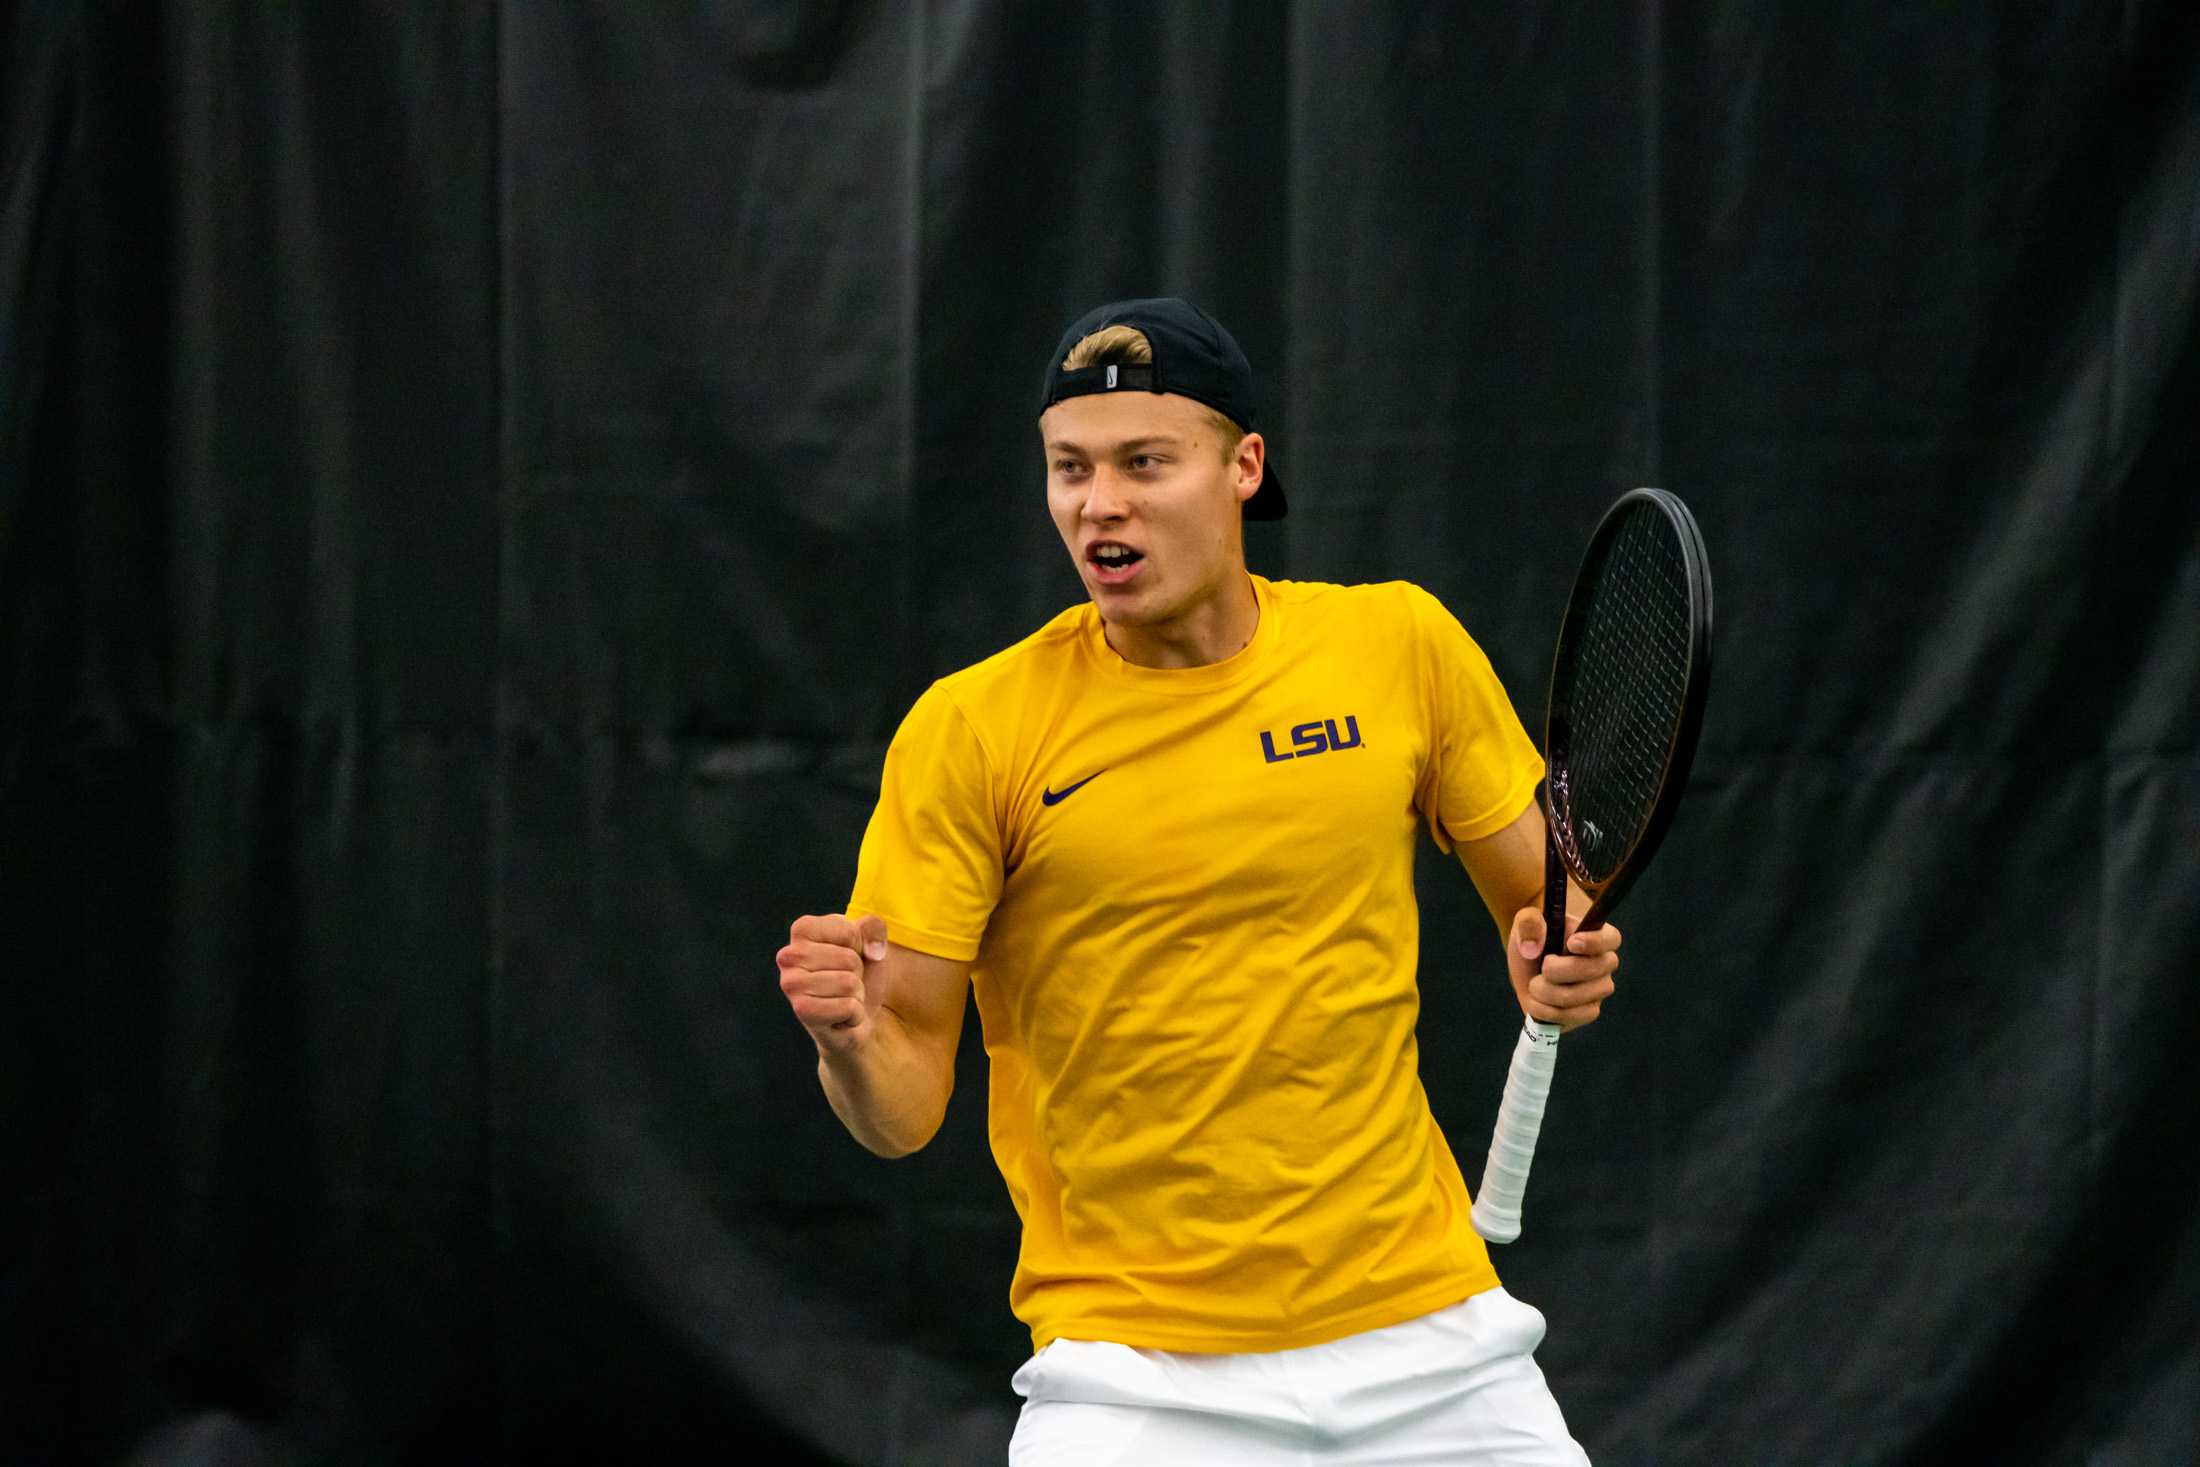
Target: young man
1169,839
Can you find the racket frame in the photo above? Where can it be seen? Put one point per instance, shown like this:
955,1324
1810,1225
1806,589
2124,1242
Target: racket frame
1497,1206
1558,721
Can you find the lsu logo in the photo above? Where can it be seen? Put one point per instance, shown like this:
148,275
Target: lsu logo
1316,736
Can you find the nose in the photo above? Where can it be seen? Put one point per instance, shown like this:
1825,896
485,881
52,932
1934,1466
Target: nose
1104,499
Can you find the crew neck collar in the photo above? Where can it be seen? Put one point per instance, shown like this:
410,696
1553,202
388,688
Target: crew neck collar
1188,679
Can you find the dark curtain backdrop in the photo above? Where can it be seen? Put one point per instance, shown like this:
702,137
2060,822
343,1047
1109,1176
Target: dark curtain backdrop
480,484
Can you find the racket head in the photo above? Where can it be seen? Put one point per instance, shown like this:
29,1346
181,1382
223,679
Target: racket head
1629,681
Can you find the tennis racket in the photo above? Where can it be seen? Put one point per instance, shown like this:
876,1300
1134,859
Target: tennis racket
1628,685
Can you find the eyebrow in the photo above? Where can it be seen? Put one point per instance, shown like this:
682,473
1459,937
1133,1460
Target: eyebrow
1129,445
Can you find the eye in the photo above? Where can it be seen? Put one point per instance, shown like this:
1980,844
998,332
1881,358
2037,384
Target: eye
1143,461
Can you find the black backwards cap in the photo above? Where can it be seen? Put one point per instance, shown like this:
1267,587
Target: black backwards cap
1193,356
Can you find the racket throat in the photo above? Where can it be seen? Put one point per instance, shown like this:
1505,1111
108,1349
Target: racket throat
1554,883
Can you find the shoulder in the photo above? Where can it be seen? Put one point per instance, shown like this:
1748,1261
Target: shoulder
1385,623
986,699
1048,653
1399,605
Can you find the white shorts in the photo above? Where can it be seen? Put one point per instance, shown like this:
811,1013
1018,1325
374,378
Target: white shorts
1457,1386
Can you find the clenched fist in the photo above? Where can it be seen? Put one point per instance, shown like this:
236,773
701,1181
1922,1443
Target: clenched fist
821,970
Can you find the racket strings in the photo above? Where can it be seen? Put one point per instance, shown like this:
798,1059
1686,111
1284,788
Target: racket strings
1629,684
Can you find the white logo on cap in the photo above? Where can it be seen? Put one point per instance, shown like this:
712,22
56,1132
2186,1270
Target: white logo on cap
1111,376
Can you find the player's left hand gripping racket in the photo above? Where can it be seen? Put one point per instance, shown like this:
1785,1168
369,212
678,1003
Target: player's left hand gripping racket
1628,685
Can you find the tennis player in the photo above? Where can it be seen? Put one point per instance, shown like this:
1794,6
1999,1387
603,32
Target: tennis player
1168,839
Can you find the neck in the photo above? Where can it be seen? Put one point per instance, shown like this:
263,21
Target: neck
1208,631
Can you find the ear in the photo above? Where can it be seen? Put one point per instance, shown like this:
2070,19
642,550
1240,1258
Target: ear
1251,465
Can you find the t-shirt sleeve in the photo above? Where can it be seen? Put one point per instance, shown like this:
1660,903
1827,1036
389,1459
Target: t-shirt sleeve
1482,768
931,858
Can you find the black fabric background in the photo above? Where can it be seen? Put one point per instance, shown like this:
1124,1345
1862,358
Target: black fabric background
479,485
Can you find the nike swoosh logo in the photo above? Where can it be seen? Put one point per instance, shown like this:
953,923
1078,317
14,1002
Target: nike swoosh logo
1055,797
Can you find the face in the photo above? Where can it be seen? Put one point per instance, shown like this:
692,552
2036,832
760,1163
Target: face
1147,503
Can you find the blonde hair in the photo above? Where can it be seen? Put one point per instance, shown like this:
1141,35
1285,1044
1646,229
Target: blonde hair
1127,346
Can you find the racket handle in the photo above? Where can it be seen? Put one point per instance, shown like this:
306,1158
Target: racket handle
1512,1144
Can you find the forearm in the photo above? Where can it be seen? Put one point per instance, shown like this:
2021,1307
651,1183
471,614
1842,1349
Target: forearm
1507,870
890,1093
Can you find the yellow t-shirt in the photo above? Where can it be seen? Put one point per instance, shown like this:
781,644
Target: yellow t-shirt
1189,898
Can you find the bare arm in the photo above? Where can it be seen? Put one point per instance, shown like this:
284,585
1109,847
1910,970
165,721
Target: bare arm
887,1021
1507,870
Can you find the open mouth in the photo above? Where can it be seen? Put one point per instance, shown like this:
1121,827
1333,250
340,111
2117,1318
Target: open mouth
1113,562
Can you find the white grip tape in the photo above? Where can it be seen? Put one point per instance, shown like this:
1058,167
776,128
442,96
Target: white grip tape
1512,1144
